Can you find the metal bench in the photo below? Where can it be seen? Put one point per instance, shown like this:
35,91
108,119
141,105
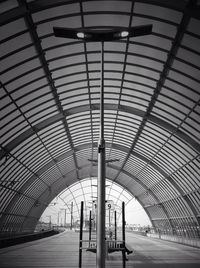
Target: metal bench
111,246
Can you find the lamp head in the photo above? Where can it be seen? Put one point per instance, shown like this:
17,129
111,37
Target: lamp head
90,35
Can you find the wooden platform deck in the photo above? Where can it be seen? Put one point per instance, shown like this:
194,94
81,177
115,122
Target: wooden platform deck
61,251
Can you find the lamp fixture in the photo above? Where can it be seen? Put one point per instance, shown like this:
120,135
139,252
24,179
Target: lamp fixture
81,35
124,34
103,35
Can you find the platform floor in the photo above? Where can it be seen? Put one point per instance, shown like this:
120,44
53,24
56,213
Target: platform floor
62,251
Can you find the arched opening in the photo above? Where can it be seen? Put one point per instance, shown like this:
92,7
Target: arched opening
64,209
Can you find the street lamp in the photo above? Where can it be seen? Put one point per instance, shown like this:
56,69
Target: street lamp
58,218
65,210
90,35
71,213
49,216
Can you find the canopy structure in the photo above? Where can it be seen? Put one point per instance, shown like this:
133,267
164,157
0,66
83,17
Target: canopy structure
49,95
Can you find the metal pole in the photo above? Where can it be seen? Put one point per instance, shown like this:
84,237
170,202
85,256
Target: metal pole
109,218
90,227
115,225
123,222
100,257
65,218
123,234
81,236
58,218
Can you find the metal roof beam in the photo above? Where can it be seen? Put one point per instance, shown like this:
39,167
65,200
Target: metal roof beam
166,68
58,117
41,55
117,147
33,209
85,146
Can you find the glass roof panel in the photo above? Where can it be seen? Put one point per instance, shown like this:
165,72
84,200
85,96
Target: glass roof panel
62,10
193,26
158,11
159,27
105,6
188,56
111,20
181,89
47,27
186,69
12,28
5,6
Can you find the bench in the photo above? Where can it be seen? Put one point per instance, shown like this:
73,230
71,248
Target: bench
111,246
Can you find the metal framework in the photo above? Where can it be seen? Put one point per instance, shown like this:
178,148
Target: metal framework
50,107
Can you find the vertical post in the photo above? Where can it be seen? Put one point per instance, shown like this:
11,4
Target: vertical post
123,234
58,218
71,215
109,223
123,222
81,236
100,257
115,225
90,227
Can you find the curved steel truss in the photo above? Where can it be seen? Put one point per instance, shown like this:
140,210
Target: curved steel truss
50,107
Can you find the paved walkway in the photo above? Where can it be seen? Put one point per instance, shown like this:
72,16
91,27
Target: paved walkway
62,251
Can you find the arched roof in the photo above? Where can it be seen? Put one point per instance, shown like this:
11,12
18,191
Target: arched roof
50,106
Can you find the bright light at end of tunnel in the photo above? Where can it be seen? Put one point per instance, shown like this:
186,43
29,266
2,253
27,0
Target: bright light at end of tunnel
81,35
124,33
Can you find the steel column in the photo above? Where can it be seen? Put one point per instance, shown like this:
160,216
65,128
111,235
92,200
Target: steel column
115,225
90,226
123,234
100,257
81,236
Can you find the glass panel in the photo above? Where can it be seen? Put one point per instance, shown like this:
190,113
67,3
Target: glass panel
158,11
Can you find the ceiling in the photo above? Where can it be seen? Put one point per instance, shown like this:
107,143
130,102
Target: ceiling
49,96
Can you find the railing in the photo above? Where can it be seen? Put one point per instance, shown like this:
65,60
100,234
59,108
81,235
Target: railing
191,237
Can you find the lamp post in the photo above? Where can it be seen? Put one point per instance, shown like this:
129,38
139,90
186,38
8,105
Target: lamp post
65,210
49,216
71,214
101,36
58,218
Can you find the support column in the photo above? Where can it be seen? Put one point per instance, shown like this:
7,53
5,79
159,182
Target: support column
81,236
90,227
100,257
123,234
115,225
